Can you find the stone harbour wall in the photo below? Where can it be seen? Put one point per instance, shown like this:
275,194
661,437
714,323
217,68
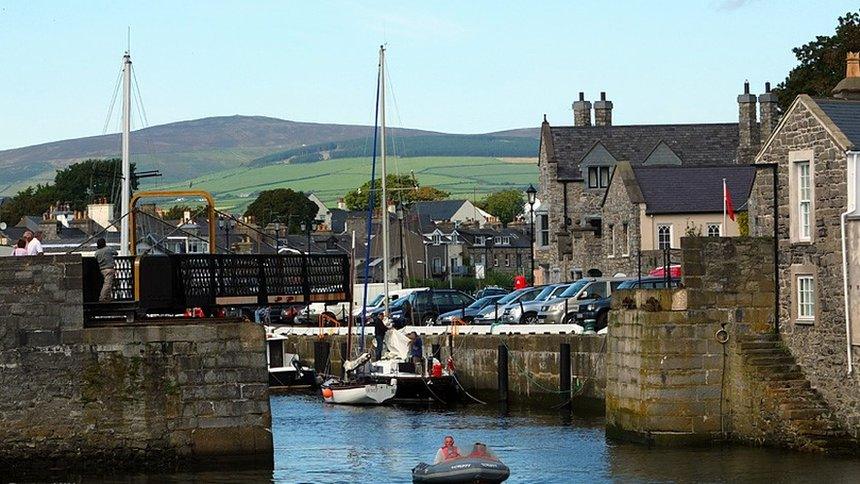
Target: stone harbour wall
127,396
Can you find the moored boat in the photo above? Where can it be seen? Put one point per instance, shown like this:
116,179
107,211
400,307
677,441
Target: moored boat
480,466
357,393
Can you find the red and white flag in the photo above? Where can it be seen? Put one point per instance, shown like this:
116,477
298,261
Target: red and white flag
728,208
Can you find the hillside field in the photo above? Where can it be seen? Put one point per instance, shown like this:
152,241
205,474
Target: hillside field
463,177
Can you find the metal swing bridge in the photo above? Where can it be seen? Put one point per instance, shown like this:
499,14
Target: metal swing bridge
163,284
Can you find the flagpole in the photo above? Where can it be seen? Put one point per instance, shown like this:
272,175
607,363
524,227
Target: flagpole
725,227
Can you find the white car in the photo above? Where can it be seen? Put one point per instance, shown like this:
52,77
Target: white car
311,313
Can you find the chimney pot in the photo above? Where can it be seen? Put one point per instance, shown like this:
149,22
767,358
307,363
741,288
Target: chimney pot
602,96
849,88
581,96
748,129
767,87
746,87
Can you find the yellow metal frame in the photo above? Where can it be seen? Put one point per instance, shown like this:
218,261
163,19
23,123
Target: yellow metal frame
173,193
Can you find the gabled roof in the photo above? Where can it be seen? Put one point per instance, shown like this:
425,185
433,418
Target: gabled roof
662,155
694,144
435,211
845,115
696,189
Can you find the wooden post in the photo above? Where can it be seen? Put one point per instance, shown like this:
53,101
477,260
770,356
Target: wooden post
564,373
344,357
503,373
321,354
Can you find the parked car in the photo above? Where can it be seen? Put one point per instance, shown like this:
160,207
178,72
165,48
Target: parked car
468,313
422,307
311,313
491,291
598,309
563,308
489,315
525,312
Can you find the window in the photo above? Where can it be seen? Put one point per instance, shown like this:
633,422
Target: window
507,260
497,240
480,240
544,229
598,176
437,239
804,200
437,264
625,239
612,248
495,260
805,298
715,230
664,237
506,240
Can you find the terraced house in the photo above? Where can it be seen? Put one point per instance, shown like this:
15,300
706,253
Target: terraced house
577,164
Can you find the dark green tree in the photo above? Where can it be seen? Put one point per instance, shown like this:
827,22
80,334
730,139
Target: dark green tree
822,62
282,205
505,205
400,188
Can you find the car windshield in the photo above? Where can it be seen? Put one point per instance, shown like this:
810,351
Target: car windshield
545,293
484,301
574,288
377,300
512,296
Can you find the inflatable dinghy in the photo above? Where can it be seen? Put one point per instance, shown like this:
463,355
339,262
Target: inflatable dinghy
468,469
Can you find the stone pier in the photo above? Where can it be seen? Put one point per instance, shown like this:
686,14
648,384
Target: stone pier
126,396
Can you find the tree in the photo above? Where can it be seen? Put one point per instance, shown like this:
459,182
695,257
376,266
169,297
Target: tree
282,205
400,187
77,185
505,205
822,62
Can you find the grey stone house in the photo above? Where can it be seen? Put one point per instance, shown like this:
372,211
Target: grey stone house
813,154
460,249
647,209
576,164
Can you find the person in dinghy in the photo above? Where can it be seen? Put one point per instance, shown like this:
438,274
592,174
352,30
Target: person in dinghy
448,451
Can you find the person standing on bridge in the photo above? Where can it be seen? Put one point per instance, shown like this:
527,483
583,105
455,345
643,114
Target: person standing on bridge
105,257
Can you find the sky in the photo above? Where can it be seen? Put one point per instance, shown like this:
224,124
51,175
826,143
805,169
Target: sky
461,67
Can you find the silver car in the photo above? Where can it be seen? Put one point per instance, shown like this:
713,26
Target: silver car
489,315
526,312
563,308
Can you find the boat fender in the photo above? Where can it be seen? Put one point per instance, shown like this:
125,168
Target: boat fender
450,364
327,393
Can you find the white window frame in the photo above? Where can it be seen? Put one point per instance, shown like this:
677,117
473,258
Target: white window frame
804,200
671,235
506,240
507,260
805,302
497,240
480,240
437,239
495,260
719,227
544,229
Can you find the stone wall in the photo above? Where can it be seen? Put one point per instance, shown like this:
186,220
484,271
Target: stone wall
620,213
533,362
669,379
820,347
130,396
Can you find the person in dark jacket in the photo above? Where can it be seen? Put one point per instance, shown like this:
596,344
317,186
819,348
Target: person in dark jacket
380,327
105,257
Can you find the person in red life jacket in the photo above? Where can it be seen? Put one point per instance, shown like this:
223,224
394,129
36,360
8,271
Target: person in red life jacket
448,451
519,282
480,451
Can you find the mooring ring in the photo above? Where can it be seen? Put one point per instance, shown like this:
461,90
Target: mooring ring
722,336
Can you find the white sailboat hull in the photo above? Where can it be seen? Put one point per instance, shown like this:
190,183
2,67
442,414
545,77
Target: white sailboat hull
368,394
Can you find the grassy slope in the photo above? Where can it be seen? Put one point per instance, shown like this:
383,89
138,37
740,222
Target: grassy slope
330,179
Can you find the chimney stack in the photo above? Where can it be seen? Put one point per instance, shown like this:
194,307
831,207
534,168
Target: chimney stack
768,112
748,132
603,111
582,111
849,88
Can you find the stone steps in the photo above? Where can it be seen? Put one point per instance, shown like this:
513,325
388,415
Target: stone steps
801,407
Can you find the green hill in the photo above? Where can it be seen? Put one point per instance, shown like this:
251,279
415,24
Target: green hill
463,177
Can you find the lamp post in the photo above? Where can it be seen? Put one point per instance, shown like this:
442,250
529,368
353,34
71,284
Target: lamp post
400,215
531,192
226,224
308,226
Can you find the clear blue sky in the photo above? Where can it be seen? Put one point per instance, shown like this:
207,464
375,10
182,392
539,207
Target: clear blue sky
456,66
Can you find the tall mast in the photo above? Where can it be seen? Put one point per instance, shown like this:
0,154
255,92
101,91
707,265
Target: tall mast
126,163
384,200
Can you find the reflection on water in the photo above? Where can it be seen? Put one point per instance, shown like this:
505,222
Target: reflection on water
328,444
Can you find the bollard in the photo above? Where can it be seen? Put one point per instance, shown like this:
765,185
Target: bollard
503,373
589,326
321,354
343,359
564,373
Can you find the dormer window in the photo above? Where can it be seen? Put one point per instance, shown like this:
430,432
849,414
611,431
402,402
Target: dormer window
480,240
598,176
497,240
506,240
437,239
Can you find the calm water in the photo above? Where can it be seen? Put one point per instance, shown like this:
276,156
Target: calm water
327,444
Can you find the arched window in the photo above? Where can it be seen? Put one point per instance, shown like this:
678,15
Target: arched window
664,237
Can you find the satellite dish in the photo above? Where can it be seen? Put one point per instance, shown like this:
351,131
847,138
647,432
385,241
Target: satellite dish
2,225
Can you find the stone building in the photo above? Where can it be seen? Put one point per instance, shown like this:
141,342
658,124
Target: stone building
812,154
576,164
649,209
460,249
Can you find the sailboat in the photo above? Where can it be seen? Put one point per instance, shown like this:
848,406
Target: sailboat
358,388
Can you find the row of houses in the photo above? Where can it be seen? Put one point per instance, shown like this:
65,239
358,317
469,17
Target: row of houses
611,194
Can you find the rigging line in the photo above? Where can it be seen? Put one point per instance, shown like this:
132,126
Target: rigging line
140,106
112,102
399,119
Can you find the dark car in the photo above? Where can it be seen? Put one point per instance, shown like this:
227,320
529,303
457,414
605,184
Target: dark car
468,313
491,291
598,309
422,307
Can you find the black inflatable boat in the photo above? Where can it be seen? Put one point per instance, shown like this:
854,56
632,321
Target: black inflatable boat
468,469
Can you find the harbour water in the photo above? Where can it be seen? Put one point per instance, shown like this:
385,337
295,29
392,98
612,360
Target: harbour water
316,443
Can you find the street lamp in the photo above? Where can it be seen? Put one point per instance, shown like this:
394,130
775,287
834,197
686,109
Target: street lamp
400,216
226,223
309,226
531,192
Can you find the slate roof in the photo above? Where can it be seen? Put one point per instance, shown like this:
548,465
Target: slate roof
845,115
694,144
696,189
338,219
435,211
